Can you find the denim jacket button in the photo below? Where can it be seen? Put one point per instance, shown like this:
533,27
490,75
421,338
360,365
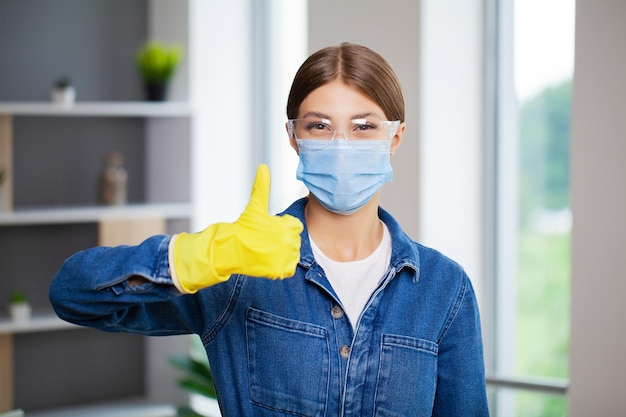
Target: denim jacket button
344,351
337,312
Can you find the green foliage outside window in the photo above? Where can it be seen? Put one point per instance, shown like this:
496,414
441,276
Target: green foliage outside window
543,279
544,149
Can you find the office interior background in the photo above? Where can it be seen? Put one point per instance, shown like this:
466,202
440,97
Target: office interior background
551,301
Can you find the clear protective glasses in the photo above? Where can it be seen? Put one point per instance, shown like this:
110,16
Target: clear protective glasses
317,128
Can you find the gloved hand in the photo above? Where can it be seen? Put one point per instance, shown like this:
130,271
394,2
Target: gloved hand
257,244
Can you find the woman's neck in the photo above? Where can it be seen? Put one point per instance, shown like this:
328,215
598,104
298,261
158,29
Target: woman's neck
344,238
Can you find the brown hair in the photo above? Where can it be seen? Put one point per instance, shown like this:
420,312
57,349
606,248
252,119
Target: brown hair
358,67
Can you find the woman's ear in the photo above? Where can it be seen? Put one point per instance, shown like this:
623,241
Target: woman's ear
397,138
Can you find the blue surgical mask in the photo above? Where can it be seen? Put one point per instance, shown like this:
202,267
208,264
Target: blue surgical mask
344,174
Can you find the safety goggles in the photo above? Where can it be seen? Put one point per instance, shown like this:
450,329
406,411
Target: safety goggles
316,128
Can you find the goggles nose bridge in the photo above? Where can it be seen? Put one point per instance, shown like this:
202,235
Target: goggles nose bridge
337,132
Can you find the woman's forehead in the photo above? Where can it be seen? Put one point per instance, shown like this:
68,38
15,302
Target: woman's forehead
337,100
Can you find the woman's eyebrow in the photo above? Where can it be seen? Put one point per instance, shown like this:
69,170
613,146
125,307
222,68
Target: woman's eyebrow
354,117
316,114
364,115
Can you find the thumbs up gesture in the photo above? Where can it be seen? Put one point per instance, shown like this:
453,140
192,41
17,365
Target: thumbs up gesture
257,244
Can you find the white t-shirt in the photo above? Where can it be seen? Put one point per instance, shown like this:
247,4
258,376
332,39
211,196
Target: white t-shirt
355,281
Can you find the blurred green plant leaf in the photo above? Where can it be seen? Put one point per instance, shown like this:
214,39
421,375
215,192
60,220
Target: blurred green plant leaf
157,62
197,375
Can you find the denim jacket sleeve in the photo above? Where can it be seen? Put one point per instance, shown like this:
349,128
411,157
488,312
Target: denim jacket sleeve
461,378
92,289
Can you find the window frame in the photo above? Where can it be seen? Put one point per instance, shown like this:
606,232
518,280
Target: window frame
501,170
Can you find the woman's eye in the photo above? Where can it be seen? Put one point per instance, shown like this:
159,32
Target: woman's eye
365,126
317,126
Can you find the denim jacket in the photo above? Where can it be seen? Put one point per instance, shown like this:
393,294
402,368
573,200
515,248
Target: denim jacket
286,348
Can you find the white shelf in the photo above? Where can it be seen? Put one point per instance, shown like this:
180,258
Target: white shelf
90,214
37,323
121,409
109,109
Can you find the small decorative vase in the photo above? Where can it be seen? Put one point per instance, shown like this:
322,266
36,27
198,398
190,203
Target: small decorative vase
64,96
156,91
113,180
20,312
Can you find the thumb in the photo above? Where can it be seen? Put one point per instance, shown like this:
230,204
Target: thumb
260,196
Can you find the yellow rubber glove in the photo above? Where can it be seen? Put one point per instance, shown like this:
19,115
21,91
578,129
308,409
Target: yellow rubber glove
257,244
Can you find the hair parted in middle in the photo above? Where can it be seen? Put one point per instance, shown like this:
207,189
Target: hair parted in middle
357,66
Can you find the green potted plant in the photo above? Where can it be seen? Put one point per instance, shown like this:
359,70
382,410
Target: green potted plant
197,380
157,65
63,92
19,308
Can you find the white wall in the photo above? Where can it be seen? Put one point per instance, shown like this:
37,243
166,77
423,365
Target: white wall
451,132
391,28
436,192
598,170
220,71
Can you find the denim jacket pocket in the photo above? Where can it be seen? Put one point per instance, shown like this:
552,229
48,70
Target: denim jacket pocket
278,348
407,364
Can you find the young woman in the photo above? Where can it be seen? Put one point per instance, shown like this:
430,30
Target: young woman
366,322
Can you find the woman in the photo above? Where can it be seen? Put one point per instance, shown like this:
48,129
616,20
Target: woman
366,323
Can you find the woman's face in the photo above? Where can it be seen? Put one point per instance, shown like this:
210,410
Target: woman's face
340,103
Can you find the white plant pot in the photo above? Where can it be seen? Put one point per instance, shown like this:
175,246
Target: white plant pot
63,96
205,406
20,312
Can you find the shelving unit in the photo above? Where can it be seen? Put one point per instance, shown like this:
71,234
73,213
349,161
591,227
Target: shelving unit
49,211
202,133
128,224
10,110
8,328
115,225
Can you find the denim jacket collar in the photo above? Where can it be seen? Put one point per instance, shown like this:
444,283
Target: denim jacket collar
403,253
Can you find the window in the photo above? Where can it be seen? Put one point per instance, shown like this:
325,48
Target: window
531,53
